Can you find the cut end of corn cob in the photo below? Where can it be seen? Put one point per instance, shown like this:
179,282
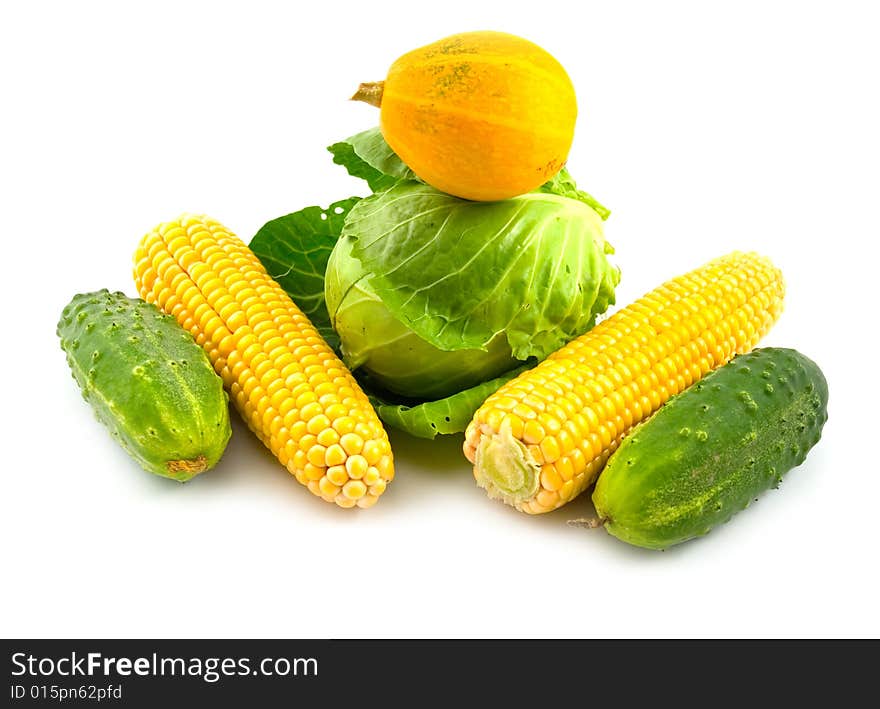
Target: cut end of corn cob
286,382
505,469
542,438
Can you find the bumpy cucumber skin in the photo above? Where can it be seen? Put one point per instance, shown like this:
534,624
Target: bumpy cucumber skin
708,452
147,381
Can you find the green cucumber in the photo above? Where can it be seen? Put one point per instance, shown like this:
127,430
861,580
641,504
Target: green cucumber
147,381
708,452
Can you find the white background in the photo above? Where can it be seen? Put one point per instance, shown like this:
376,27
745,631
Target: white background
705,130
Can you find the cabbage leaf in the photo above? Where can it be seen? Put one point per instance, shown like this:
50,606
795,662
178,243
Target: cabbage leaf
563,184
426,419
294,249
368,156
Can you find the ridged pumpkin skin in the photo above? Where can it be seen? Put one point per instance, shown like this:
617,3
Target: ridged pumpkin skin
480,115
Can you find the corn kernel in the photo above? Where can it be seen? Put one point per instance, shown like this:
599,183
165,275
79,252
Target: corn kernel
317,424
313,472
547,499
367,501
328,488
565,468
357,466
533,432
354,489
334,455
373,451
550,451
316,455
328,437
385,468
550,479
566,492
515,425
309,408
344,424
337,475
352,443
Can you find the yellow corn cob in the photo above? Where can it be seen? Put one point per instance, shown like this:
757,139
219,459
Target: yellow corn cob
542,438
285,381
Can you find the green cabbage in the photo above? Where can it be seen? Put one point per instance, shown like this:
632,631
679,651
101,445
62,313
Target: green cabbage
458,273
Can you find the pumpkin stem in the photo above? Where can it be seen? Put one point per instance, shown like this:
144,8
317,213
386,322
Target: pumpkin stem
370,92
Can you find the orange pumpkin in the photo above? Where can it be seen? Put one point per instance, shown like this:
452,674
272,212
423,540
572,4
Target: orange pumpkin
479,115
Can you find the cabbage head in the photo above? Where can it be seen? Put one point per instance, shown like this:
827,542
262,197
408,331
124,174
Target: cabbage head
431,294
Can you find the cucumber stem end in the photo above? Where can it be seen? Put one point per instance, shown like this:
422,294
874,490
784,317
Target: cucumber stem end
184,470
587,522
